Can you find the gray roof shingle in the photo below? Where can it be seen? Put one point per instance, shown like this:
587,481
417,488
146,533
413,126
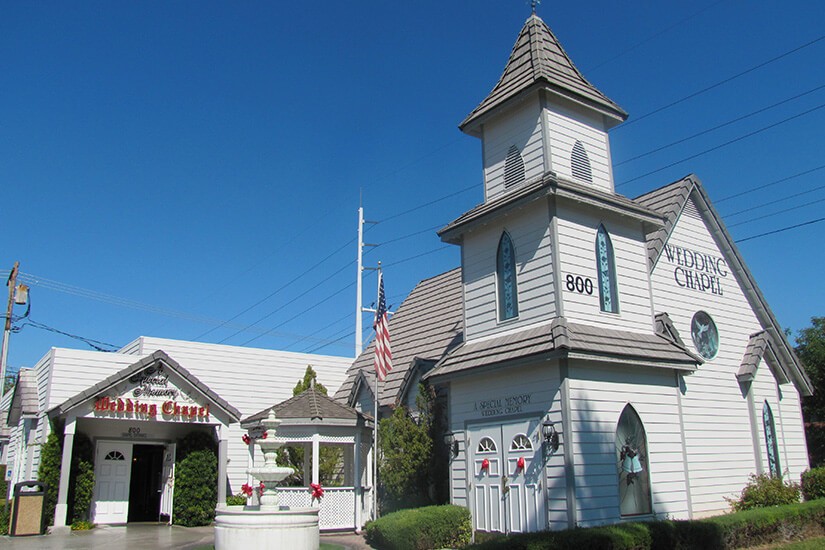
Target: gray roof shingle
427,324
310,404
563,339
24,402
539,61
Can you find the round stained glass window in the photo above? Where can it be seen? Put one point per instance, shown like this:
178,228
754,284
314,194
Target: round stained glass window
705,335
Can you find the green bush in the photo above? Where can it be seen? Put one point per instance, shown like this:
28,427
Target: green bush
421,529
82,525
5,516
49,471
4,485
813,483
236,500
82,478
763,491
628,536
196,489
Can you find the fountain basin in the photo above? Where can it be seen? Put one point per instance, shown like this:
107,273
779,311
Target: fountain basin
249,527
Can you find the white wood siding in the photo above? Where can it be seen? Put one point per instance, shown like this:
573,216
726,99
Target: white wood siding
542,382
520,127
717,425
566,125
577,257
529,230
598,395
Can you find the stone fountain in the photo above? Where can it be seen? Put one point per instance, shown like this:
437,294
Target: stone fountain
268,525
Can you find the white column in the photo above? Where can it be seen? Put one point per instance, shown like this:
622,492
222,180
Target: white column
316,444
357,479
62,508
223,445
307,463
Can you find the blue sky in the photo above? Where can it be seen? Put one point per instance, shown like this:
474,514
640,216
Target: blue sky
167,165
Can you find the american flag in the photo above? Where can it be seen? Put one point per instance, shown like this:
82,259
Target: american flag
383,353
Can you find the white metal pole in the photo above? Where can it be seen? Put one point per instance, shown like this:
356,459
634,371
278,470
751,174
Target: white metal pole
359,345
377,392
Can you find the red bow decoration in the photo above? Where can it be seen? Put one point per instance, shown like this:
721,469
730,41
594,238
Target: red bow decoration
264,435
246,489
317,491
485,465
520,463
246,439
261,488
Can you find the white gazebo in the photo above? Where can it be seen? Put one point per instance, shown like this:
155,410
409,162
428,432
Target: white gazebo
312,420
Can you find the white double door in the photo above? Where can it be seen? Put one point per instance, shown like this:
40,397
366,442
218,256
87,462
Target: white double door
506,477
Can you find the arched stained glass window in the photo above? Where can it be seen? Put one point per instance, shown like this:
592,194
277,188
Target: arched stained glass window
521,443
770,441
632,464
486,445
606,267
506,279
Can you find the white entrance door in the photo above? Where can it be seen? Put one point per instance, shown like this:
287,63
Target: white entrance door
113,469
507,488
168,481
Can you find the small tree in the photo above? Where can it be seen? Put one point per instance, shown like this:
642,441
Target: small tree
49,471
196,480
406,450
810,347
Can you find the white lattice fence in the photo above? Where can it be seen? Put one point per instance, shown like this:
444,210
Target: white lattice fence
337,505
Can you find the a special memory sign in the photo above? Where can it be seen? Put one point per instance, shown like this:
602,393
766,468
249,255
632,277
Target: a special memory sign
511,404
696,270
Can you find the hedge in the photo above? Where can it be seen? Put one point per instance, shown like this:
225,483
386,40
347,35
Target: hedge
736,530
813,483
424,528
196,480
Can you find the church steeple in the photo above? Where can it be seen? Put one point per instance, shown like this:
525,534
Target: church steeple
543,116
538,61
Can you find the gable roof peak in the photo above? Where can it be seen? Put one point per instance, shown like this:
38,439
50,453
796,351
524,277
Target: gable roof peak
538,61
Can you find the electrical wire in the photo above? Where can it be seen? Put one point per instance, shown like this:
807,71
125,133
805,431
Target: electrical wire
751,220
774,201
432,202
95,344
716,85
722,145
709,130
770,184
781,230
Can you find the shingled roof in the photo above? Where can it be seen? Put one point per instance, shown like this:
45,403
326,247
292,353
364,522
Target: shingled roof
564,339
670,201
539,61
308,405
429,322
24,403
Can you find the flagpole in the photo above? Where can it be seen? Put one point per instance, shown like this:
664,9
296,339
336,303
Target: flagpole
375,424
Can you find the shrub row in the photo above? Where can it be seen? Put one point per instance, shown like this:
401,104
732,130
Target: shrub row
813,483
445,526
741,529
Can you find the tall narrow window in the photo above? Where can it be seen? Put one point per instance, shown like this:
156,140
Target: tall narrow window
506,276
513,167
606,266
580,163
632,464
770,441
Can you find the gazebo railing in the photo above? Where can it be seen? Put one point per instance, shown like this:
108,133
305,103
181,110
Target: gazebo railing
337,506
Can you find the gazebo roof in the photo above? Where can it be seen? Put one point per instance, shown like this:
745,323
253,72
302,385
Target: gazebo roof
308,407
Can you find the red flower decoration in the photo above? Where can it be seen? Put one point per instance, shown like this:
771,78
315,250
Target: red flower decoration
264,435
485,465
261,488
246,439
246,489
520,463
317,491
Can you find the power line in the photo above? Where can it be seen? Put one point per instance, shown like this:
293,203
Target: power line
788,228
722,145
709,130
276,291
717,84
433,251
777,213
432,202
806,172
95,344
763,205
649,38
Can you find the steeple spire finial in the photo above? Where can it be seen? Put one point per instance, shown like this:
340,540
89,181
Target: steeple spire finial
533,4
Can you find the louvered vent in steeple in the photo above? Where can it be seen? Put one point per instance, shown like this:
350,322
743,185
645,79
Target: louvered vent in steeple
580,163
513,167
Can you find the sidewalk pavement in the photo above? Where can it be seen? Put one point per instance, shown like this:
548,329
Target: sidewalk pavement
146,535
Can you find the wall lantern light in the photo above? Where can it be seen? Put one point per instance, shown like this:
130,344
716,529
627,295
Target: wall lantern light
550,435
451,443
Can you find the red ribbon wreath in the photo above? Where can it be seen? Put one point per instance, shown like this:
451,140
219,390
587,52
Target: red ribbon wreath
485,465
520,463
317,491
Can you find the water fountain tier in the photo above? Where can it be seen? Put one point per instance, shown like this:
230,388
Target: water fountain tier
268,526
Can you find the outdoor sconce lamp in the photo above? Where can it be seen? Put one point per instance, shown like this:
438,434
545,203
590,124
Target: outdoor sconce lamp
451,444
551,436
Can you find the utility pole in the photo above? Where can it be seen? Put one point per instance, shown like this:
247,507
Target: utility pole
359,291
13,298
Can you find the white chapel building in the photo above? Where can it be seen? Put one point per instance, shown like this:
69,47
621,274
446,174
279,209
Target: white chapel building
603,358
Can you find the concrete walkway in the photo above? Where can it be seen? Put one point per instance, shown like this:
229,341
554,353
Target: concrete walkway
147,535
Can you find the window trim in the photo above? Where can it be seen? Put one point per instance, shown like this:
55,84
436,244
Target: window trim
771,445
643,452
611,272
500,272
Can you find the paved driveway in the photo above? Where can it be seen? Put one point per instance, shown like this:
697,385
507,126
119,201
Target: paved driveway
151,536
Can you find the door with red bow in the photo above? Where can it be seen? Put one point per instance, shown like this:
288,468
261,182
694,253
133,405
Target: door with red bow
506,481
